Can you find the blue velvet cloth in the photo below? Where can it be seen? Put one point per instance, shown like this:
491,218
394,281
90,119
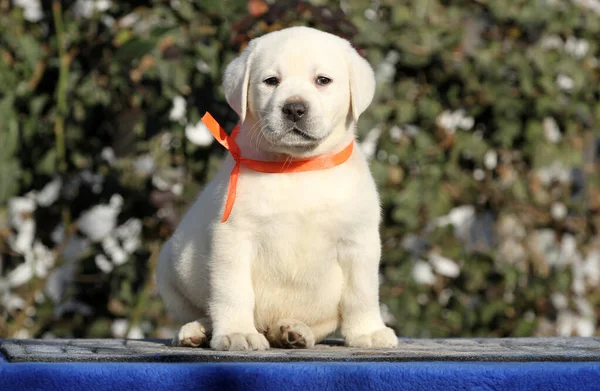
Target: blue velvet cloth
426,376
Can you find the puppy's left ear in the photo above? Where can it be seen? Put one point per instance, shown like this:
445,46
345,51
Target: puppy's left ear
362,82
235,81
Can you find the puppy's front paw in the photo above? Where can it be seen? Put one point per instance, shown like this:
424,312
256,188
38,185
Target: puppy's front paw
290,334
382,338
192,334
239,341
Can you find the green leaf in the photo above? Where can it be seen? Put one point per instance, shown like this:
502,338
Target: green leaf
47,165
10,171
133,49
30,49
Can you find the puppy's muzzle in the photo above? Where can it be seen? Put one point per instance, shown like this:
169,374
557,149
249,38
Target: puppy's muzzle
294,111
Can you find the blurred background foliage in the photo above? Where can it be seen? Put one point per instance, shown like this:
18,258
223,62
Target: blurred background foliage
483,138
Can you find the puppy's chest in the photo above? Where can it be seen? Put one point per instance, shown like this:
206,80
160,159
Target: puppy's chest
298,220
313,198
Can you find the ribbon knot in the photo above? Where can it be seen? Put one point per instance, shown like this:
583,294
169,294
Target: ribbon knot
302,165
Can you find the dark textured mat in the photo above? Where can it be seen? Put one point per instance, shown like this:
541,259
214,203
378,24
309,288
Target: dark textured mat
488,350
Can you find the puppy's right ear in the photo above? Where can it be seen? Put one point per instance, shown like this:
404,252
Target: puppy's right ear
362,82
235,82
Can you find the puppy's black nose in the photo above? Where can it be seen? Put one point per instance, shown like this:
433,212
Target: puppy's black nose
294,110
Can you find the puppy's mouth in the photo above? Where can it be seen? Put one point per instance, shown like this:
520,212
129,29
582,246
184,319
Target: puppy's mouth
293,140
303,135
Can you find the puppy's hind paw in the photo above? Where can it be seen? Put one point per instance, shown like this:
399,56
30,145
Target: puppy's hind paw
291,334
192,335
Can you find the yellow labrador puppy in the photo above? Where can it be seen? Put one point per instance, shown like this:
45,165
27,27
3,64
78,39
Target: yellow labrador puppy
299,255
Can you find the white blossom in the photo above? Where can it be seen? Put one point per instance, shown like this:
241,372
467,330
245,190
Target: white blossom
578,48
585,327
422,273
129,20
22,334
39,260
568,248
451,121
11,301
160,183
385,72
95,181
32,9
370,14
97,222
86,8
512,252
550,42
50,193
199,134
42,258
130,234
444,266
135,332
20,210
178,110
478,174
466,123
202,66
551,130
557,171
108,154
559,301
490,159
177,189
111,246
564,82
582,324
558,210
591,267
445,296
20,275
411,130
459,217
120,244
396,133
108,20
23,241
565,323
119,327
103,263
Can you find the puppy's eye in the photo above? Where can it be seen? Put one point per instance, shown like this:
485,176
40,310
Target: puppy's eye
323,81
271,81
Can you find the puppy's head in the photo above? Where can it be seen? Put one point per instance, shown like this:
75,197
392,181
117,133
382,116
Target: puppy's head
298,89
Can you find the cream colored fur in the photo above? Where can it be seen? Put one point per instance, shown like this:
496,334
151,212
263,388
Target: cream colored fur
299,255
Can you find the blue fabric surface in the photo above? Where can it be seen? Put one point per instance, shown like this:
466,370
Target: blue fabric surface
426,376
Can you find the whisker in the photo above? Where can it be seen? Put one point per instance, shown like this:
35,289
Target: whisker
255,131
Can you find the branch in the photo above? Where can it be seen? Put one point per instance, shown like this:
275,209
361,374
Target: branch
61,93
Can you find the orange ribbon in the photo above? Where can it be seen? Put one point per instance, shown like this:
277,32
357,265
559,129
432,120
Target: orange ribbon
228,141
